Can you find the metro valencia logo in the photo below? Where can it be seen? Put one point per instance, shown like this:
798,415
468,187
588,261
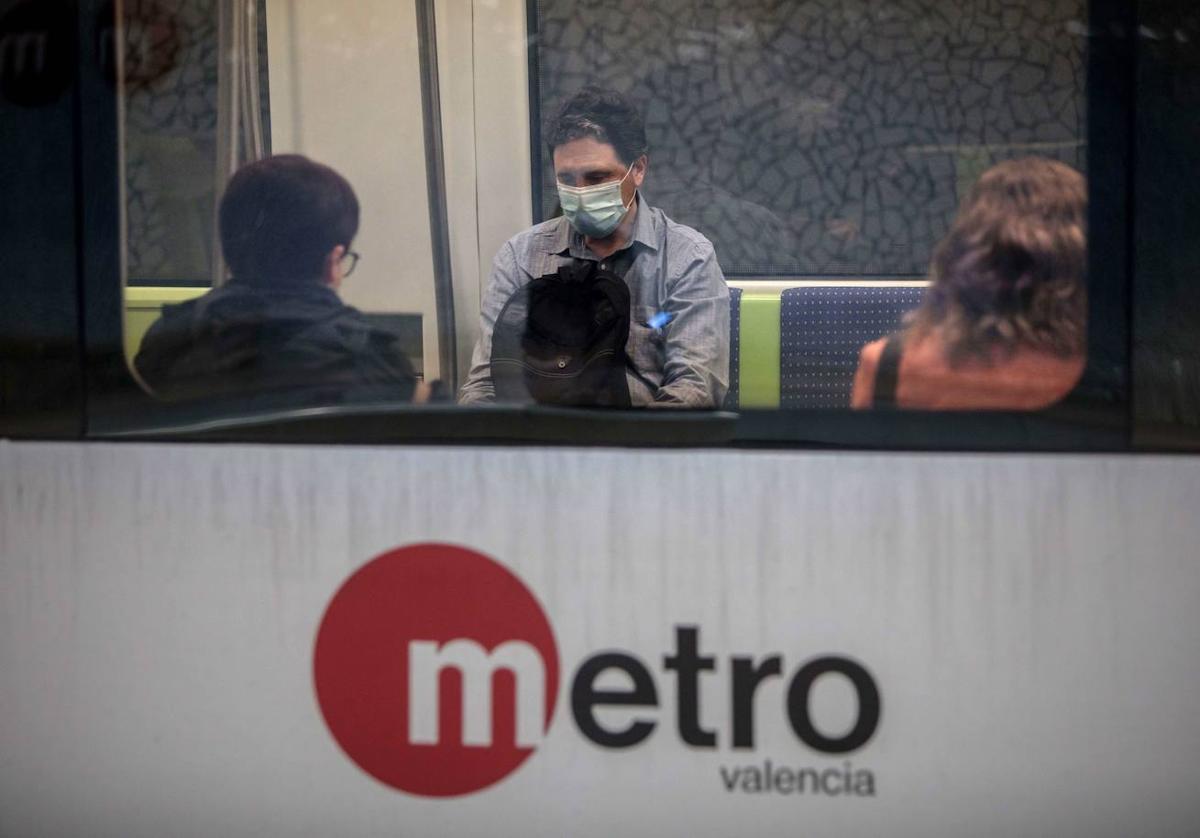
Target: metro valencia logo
437,672
404,667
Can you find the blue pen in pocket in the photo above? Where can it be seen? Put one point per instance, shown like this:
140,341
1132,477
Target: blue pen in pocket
662,318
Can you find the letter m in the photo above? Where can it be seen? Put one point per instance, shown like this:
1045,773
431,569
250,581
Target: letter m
426,660
22,53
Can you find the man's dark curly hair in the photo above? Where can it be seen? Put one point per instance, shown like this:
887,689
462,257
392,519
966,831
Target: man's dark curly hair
605,115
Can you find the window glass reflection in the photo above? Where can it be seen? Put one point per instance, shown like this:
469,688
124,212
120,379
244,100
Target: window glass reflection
825,138
736,205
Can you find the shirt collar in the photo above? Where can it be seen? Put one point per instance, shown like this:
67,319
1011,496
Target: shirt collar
563,238
645,226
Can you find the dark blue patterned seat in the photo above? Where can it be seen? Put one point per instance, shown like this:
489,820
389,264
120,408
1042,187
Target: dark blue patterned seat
822,329
735,339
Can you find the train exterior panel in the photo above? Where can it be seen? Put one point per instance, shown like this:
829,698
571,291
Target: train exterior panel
201,639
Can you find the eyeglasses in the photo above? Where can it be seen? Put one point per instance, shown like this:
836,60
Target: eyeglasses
349,263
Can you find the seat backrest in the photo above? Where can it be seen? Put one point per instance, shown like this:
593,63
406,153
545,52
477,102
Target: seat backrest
822,329
735,342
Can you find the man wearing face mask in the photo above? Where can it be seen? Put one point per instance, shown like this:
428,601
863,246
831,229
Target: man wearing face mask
679,317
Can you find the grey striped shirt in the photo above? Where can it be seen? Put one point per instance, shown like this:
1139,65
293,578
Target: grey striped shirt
687,360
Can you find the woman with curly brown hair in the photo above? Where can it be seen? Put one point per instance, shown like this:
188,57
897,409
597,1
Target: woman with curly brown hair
1003,321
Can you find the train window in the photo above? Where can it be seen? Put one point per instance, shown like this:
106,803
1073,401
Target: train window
210,88
826,150
811,208
172,147
825,139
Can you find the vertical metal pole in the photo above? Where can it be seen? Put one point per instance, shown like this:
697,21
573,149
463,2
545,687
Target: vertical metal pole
248,71
533,44
435,175
229,92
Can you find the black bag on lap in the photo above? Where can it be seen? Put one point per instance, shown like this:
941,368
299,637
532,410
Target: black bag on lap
561,340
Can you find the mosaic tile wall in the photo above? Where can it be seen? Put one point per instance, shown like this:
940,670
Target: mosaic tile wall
170,145
824,137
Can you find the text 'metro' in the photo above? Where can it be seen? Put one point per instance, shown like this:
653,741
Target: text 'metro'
437,672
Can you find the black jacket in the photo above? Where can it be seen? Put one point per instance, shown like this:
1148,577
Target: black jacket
297,344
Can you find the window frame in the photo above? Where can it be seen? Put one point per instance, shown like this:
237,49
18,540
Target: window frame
117,408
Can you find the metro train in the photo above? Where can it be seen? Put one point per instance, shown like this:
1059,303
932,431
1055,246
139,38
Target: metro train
229,615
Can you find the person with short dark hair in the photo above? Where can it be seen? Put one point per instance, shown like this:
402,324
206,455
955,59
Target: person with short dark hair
1003,323
678,341
278,327
282,217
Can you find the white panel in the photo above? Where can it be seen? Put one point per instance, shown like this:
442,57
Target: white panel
483,65
502,120
456,63
345,90
1031,623
502,131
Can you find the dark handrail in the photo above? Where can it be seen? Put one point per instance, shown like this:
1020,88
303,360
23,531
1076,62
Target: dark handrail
435,176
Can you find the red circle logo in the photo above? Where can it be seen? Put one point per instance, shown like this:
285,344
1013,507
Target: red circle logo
436,670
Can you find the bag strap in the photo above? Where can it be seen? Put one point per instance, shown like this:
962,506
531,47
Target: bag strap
618,265
887,374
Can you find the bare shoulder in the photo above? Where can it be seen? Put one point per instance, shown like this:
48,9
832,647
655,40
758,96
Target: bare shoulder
864,378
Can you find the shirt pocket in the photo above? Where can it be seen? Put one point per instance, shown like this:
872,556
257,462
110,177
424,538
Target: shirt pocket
645,347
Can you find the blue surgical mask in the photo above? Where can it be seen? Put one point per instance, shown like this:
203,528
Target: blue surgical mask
596,210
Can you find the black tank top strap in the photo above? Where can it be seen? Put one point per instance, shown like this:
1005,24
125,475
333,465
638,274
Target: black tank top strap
887,374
